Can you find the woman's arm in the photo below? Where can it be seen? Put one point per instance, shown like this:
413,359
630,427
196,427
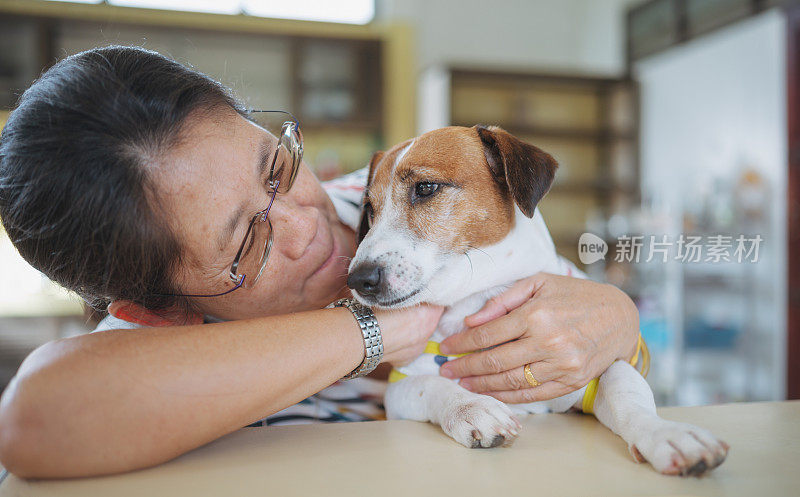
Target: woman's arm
570,330
116,401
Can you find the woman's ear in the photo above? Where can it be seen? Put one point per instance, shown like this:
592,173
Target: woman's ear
363,224
135,313
526,171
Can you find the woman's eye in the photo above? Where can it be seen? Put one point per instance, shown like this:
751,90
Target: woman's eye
426,189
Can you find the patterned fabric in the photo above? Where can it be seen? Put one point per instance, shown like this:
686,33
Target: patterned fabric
346,192
360,399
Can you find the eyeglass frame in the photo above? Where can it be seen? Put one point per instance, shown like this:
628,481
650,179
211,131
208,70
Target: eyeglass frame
297,158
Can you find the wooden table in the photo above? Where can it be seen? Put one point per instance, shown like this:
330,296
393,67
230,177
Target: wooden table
556,454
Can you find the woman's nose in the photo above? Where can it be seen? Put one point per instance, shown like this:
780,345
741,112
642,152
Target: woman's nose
294,226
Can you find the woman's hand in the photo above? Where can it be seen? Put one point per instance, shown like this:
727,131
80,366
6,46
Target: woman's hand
569,330
406,331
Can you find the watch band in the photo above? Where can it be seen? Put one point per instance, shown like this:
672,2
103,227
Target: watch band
373,342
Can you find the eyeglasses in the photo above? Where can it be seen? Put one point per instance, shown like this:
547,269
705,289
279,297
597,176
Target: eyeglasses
251,259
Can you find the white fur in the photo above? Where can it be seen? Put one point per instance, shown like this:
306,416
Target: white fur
463,283
400,156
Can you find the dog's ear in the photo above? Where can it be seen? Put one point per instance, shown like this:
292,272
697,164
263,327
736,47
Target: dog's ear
363,224
526,171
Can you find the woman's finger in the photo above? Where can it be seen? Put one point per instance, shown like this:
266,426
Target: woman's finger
501,330
507,356
516,295
545,391
512,379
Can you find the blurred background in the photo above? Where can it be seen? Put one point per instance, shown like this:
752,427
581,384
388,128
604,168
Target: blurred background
669,118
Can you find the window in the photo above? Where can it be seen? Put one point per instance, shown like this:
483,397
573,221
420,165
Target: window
342,11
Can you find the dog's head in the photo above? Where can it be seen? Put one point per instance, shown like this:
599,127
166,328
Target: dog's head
432,200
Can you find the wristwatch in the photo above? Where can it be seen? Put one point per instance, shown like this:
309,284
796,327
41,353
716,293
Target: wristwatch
373,343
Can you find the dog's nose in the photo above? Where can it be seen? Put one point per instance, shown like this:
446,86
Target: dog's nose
366,279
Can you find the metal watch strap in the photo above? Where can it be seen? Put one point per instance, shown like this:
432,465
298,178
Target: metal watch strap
373,343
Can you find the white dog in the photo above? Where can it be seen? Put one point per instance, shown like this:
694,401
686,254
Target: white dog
450,218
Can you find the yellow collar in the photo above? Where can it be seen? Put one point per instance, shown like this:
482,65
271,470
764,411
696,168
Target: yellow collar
433,348
430,348
587,404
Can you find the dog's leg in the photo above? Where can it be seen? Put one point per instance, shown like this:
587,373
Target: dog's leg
625,404
473,420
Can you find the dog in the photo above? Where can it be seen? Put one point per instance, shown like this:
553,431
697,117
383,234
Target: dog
451,218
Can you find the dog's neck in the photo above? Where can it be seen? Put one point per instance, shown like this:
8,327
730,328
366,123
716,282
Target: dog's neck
488,271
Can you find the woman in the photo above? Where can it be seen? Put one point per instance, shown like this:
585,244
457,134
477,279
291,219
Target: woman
133,181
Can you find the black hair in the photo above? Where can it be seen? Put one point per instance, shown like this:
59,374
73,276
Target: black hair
75,195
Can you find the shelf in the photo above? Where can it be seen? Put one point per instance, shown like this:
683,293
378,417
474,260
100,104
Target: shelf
559,132
327,85
333,125
590,187
565,238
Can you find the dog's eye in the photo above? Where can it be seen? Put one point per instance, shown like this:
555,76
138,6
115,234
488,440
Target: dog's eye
426,189
369,211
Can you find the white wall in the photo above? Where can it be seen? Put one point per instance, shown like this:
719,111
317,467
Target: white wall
710,108
714,102
584,36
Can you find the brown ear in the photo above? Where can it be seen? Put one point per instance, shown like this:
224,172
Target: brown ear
526,171
363,224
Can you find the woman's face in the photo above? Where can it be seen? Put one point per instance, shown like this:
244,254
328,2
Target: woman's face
211,184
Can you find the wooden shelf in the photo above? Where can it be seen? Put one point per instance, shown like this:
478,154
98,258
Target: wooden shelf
566,239
349,125
584,187
515,76
559,132
570,133
384,49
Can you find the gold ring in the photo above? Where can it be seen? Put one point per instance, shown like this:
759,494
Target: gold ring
529,377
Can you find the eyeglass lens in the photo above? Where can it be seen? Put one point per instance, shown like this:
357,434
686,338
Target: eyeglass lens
284,170
287,159
255,253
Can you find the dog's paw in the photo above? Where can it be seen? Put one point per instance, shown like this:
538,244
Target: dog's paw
480,421
679,449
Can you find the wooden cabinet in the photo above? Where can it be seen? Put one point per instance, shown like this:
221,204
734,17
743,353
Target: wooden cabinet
330,77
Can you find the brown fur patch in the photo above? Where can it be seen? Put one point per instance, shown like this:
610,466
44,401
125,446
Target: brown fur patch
472,209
